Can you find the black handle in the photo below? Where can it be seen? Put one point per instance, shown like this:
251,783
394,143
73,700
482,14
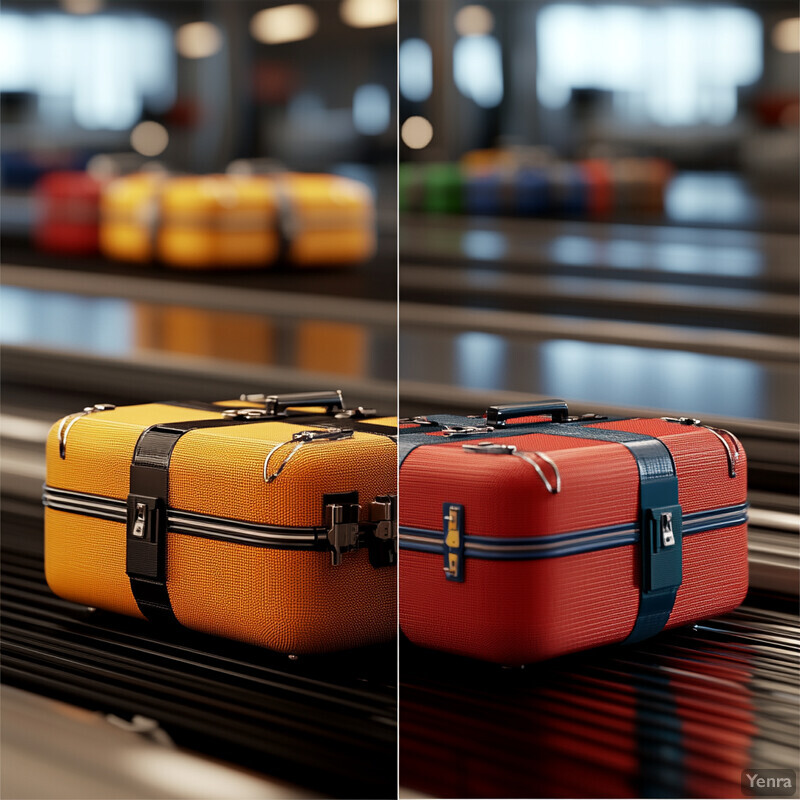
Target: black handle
499,415
276,404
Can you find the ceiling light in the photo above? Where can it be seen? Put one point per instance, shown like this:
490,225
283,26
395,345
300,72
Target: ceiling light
474,21
368,13
149,138
416,133
284,24
786,35
81,6
198,40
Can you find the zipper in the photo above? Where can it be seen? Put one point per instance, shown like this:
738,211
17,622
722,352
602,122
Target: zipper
186,522
564,544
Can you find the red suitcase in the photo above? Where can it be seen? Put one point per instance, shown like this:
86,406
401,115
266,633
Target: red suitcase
528,534
68,214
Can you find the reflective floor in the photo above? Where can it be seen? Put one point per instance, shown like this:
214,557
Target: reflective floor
97,326
647,252
621,375
680,716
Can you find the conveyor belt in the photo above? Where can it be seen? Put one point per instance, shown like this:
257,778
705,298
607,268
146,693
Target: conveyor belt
679,716
374,280
327,723
646,253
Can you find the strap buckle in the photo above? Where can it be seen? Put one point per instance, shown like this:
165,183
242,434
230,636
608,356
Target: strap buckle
345,531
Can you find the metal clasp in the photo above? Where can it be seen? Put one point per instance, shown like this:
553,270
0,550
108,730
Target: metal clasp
682,420
244,413
667,533
382,532
301,438
343,529
466,430
497,449
357,413
66,424
139,521
720,433
492,448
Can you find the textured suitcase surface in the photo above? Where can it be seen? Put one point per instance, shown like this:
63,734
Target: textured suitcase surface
532,537
252,520
245,221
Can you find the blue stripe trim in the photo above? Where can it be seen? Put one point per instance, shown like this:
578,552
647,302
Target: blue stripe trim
573,542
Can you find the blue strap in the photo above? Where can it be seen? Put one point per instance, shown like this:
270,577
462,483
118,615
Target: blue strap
661,544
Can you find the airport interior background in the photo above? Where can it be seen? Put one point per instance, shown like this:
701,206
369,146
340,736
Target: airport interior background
599,203
93,92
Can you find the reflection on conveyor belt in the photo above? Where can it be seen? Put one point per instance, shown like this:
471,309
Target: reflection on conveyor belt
647,253
706,279
699,322
680,716
325,723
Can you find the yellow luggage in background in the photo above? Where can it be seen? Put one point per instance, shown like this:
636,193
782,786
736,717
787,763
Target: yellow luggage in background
269,520
237,221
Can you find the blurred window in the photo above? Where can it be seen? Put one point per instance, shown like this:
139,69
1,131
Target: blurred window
670,66
478,69
372,109
98,71
416,70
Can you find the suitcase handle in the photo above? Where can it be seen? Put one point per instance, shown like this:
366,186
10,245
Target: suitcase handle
277,404
497,416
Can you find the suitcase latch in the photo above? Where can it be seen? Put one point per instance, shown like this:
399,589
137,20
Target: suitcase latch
466,430
145,555
662,567
139,521
453,525
382,531
667,533
357,413
341,520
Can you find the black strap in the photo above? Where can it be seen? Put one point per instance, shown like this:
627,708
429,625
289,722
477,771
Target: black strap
360,424
659,509
146,540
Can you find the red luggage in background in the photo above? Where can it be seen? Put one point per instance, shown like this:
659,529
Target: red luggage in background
527,534
68,213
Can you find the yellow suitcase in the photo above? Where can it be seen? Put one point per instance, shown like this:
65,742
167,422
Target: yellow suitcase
271,520
237,221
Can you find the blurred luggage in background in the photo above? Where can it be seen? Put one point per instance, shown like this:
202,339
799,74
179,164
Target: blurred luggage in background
504,183
212,221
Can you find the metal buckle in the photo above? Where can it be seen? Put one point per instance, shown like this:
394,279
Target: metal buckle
382,514
301,438
341,521
417,421
497,449
492,448
244,413
66,424
466,430
357,413
382,540
720,433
